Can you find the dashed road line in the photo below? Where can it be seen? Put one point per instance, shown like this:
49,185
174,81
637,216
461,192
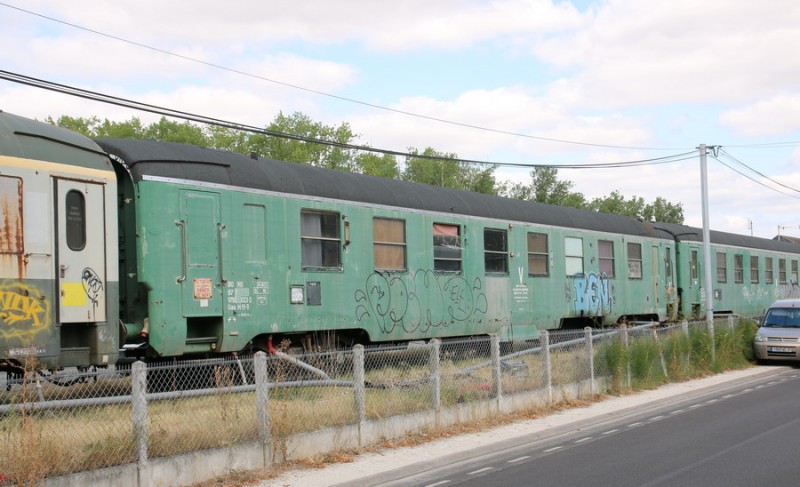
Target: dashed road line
520,459
480,470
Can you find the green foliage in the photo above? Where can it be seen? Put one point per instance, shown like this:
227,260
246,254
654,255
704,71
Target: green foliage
642,364
545,187
448,173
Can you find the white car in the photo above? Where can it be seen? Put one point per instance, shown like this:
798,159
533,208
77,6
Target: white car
778,338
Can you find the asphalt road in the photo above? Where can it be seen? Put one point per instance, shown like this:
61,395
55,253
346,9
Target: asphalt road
742,433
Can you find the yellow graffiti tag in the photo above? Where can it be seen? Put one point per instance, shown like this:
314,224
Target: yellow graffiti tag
22,311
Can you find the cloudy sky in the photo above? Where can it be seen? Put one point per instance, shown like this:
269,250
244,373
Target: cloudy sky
516,81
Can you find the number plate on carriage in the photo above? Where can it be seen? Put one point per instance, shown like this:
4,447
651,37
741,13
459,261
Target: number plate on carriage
780,349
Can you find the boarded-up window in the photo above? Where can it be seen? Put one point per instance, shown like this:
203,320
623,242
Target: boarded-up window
495,251
389,243
605,251
446,247
321,239
538,254
11,241
573,255
634,260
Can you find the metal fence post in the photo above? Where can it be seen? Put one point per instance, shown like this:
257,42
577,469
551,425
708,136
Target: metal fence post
544,338
139,413
731,326
359,386
590,352
497,376
262,405
436,377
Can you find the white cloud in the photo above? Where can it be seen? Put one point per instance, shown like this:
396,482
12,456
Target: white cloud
778,115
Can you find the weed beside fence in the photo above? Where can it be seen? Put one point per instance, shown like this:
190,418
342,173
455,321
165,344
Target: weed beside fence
131,416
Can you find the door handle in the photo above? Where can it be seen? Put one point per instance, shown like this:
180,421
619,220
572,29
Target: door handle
63,268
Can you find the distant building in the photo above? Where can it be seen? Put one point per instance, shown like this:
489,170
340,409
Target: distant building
786,238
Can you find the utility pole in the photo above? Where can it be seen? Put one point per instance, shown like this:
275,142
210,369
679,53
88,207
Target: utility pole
706,236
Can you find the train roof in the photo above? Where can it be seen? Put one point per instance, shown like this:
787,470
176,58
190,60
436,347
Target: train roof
692,234
30,139
186,162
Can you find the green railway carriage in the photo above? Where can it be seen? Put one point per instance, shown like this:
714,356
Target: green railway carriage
221,252
747,273
58,273
172,250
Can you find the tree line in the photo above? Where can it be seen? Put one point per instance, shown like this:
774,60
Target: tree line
446,170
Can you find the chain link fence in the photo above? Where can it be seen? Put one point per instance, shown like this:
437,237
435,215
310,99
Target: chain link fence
76,421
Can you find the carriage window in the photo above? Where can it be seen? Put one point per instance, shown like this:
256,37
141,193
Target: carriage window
537,254
738,268
321,239
668,264
794,270
768,270
605,251
722,269
495,250
573,250
389,244
754,269
782,271
446,247
693,266
75,220
11,214
634,260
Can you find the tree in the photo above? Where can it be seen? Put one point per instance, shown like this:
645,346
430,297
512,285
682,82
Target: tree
299,151
663,211
616,203
447,171
545,187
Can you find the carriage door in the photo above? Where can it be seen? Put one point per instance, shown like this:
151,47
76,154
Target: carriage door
80,263
200,252
655,264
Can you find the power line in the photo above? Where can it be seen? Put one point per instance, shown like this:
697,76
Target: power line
753,179
322,93
749,168
159,110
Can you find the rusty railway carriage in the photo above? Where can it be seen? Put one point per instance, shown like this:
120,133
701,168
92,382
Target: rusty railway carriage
172,250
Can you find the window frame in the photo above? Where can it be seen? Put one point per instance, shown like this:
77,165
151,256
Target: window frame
322,241
438,262
576,258
75,224
722,270
496,254
634,259
535,254
754,277
769,270
606,259
391,245
738,268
